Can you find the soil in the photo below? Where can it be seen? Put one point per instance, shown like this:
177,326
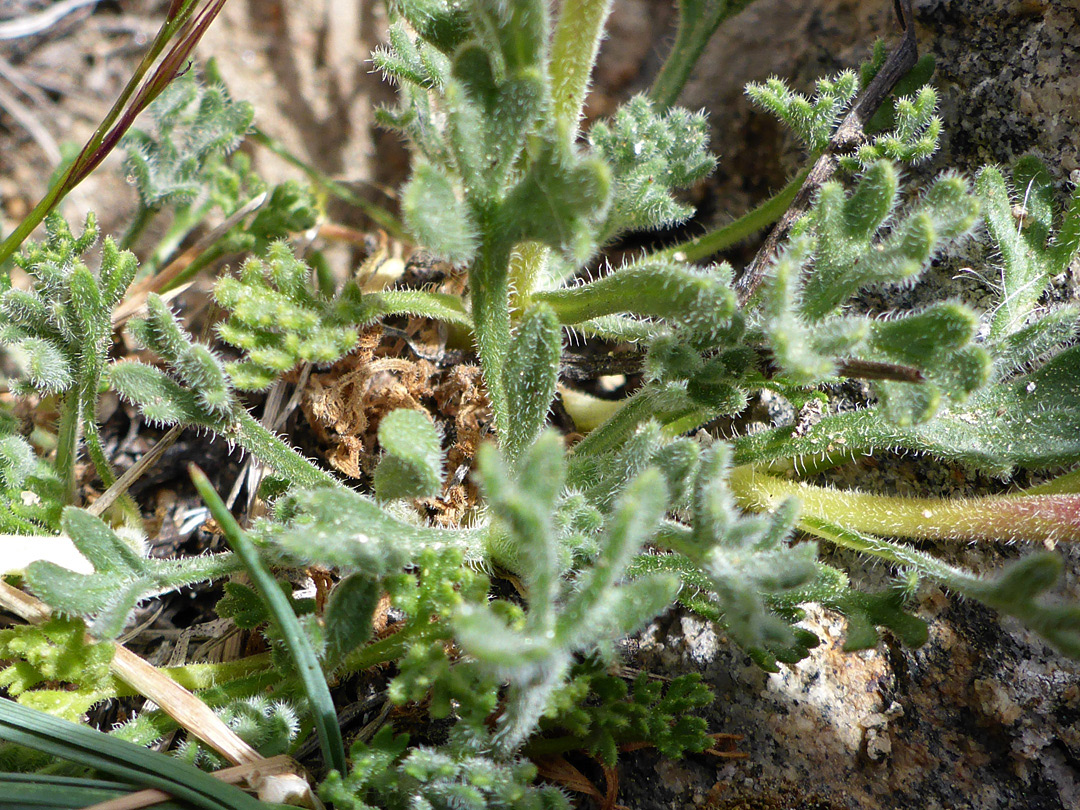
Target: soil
982,716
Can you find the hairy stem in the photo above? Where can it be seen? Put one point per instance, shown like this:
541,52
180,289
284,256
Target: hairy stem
67,444
275,453
992,517
698,21
92,439
701,247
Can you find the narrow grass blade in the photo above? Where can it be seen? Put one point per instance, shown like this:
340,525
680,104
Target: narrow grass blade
39,791
118,758
307,665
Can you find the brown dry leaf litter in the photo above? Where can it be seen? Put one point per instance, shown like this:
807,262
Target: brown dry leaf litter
345,404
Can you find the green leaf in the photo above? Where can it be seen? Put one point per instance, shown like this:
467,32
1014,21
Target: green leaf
56,650
279,320
558,201
341,528
563,618
1017,590
437,217
293,636
349,614
911,135
162,400
812,120
701,301
134,763
490,117
412,466
1031,421
651,154
121,578
530,376
1022,235
365,308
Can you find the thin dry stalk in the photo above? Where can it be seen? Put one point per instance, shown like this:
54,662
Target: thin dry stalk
136,297
249,773
135,471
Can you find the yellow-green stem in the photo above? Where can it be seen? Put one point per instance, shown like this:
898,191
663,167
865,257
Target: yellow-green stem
1033,518
763,216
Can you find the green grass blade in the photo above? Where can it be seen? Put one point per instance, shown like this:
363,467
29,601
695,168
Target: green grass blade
296,641
119,758
38,791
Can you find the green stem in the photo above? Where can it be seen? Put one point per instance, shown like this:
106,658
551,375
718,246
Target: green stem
763,216
375,213
574,46
295,639
184,221
573,54
67,444
277,455
669,405
895,553
698,21
491,322
993,517
389,648
92,439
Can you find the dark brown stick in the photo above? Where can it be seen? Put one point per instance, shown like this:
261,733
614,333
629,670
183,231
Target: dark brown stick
847,137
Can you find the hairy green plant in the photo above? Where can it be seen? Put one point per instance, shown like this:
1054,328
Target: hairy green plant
386,773
62,324
183,164
503,624
32,492
279,321
598,712
123,576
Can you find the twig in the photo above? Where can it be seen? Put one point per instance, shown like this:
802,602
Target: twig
26,118
30,24
873,370
135,471
847,136
136,298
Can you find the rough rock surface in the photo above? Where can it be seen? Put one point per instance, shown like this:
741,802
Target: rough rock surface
984,715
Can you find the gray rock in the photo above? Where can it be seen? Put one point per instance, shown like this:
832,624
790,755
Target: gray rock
984,715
